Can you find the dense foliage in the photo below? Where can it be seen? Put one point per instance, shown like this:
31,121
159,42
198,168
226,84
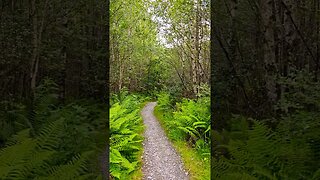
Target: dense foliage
55,141
253,151
65,41
188,121
266,95
125,136
160,46
57,128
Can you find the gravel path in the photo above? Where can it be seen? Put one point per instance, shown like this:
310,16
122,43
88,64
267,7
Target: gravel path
160,160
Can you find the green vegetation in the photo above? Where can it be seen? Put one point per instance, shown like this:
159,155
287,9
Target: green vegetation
187,125
259,153
157,45
264,71
265,66
126,130
53,87
160,46
55,141
195,164
254,149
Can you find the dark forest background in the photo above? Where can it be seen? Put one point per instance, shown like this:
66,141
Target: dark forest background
64,41
265,89
53,89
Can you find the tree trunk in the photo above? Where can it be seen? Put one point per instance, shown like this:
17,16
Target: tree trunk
36,41
34,57
267,10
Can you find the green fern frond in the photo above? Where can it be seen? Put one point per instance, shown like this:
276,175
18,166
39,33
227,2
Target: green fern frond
49,136
72,170
118,162
192,132
316,175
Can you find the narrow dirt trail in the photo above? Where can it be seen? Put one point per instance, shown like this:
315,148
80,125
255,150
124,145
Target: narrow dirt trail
160,160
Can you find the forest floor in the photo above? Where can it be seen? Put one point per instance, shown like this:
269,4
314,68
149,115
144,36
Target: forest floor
160,159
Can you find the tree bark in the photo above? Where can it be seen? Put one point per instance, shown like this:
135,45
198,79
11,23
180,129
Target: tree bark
36,41
34,57
268,19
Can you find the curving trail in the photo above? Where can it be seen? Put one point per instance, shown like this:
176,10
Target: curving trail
160,160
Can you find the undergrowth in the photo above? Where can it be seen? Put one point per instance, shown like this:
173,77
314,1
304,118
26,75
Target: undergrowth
187,124
285,147
253,151
126,130
53,141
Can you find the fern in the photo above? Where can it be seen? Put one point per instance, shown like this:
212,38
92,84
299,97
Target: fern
188,121
23,155
13,118
46,148
125,138
164,102
21,159
120,167
49,137
193,119
26,158
72,170
263,154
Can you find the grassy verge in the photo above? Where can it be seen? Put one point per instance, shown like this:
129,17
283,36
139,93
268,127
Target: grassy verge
198,168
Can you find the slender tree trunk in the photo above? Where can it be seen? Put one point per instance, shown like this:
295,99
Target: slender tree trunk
197,46
34,57
317,17
36,42
232,6
120,75
196,53
267,10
